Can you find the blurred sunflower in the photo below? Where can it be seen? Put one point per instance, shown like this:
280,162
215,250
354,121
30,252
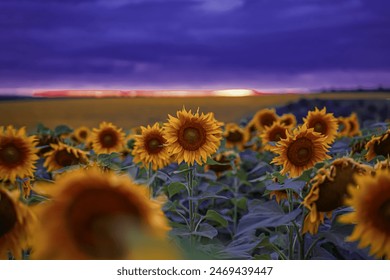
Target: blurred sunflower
344,126
98,215
150,148
15,225
371,216
263,118
301,150
224,158
329,190
81,134
354,126
250,128
192,137
322,122
384,164
235,136
288,120
273,133
44,142
281,195
62,156
107,139
379,145
17,154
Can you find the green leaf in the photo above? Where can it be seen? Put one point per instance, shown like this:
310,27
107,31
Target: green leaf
262,257
62,129
175,188
216,217
240,202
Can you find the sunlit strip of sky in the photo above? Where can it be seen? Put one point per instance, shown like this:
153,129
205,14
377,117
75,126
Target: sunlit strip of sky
194,44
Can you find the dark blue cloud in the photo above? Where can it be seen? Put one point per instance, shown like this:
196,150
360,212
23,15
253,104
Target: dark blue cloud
194,43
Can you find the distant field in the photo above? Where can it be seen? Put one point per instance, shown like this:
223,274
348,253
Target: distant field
130,112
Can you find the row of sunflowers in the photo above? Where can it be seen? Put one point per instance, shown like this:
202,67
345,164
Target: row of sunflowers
194,187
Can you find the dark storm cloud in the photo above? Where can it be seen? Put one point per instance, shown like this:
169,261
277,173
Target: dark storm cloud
191,43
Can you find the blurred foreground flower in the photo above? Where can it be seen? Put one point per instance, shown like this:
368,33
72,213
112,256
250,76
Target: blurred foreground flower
96,215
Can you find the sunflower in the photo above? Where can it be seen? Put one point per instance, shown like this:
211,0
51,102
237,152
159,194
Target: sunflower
263,118
288,120
371,215
354,127
15,225
344,126
322,122
97,215
301,150
273,133
107,139
62,156
379,145
192,137
329,189
81,134
235,136
17,154
150,148
224,158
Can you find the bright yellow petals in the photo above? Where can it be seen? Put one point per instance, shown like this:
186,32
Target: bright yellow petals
264,118
301,150
17,154
107,139
273,133
98,215
235,136
329,189
371,216
150,148
15,225
192,137
379,145
322,122
62,156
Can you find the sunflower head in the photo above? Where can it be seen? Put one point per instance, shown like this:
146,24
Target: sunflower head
379,145
192,137
62,156
150,148
300,150
274,134
81,134
323,123
344,126
17,154
354,126
225,158
107,139
15,225
288,120
97,215
371,215
263,118
235,136
330,189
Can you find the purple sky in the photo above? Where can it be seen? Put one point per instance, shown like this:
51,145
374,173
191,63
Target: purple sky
188,44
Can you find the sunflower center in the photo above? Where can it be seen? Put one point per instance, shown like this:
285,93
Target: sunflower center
382,147
267,119
300,152
10,154
108,139
8,215
276,135
234,136
64,158
154,145
319,127
192,136
384,209
83,134
99,220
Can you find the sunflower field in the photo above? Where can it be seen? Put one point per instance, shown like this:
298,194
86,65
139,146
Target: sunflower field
309,180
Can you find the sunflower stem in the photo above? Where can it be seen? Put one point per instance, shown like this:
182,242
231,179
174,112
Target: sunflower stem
191,205
290,228
312,246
